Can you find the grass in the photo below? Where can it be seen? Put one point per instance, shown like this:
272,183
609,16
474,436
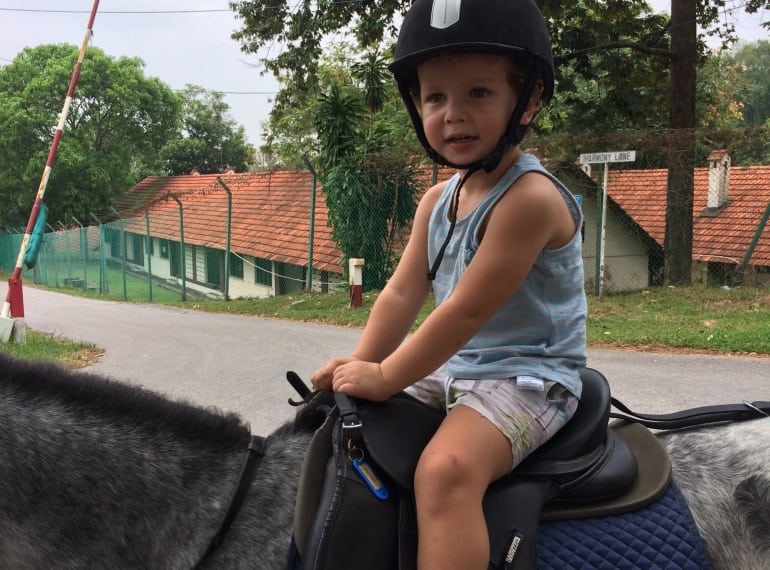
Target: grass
136,287
680,319
694,318
49,347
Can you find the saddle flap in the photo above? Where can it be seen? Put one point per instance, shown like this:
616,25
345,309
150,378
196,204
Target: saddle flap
310,487
651,482
395,433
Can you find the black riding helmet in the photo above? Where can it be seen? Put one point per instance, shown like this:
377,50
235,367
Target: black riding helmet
506,27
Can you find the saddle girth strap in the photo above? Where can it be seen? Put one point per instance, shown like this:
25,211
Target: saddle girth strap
254,455
695,416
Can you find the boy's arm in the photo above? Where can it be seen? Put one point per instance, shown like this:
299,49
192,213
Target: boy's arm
397,306
528,219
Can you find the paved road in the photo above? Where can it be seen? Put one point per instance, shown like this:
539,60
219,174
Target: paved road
238,363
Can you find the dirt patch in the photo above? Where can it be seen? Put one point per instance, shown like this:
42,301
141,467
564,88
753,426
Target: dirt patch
84,358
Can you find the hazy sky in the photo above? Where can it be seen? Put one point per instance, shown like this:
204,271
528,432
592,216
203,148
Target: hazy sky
189,43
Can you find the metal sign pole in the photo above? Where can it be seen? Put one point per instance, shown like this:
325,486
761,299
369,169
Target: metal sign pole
601,211
603,233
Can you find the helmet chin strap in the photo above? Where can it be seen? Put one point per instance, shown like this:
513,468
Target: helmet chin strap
512,136
452,221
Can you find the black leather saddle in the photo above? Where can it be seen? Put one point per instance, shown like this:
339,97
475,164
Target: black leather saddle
586,464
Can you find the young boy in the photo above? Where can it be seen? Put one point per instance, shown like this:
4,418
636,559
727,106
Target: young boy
500,245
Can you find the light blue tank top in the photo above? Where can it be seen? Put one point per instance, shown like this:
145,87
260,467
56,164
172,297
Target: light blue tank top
540,330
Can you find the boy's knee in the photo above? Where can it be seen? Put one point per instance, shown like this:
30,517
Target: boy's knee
439,475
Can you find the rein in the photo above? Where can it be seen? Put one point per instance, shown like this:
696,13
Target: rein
255,453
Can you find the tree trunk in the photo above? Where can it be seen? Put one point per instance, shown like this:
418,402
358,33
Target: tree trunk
681,155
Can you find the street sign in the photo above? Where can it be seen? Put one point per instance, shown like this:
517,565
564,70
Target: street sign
601,226
604,157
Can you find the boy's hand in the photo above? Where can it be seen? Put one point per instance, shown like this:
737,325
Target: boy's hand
322,378
361,380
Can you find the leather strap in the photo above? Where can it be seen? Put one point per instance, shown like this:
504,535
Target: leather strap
254,456
695,416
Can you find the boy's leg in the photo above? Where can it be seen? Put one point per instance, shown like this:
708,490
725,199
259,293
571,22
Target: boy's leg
465,455
491,427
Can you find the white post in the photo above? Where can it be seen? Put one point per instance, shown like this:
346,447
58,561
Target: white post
603,232
356,280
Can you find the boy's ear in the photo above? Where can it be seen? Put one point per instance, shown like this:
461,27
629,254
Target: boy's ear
415,95
534,106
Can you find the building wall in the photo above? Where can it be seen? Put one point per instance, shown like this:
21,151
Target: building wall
626,260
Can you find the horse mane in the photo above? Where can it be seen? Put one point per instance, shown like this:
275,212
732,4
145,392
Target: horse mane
38,381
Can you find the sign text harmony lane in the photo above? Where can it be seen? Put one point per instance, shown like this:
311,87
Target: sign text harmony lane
618,156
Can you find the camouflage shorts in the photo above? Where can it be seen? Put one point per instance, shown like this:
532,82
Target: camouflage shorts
527,415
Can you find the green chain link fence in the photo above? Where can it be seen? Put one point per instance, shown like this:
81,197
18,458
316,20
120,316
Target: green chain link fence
159,256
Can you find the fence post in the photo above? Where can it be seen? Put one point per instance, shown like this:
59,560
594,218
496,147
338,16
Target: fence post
311,231
356,277
122,252
183,255
226,284
83,252
149,253
103,287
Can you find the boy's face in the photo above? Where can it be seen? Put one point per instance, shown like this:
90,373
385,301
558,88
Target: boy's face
465,102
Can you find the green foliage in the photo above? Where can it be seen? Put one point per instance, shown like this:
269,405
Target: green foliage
753,59
292,132
300,28
209,139
370,193
117,121
371,202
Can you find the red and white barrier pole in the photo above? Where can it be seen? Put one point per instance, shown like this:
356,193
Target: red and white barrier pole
14,300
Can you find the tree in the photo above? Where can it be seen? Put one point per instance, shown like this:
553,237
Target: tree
580,30
754,61
370,192
208,140
593,43
291,131
117,120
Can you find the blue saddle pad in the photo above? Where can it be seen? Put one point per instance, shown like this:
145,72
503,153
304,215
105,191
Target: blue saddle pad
661,535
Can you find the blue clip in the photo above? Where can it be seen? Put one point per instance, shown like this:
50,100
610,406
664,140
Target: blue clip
371,479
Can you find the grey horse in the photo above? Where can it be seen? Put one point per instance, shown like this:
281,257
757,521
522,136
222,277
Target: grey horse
102,474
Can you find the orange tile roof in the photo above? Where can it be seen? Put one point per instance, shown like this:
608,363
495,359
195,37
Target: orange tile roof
724,236
270,215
